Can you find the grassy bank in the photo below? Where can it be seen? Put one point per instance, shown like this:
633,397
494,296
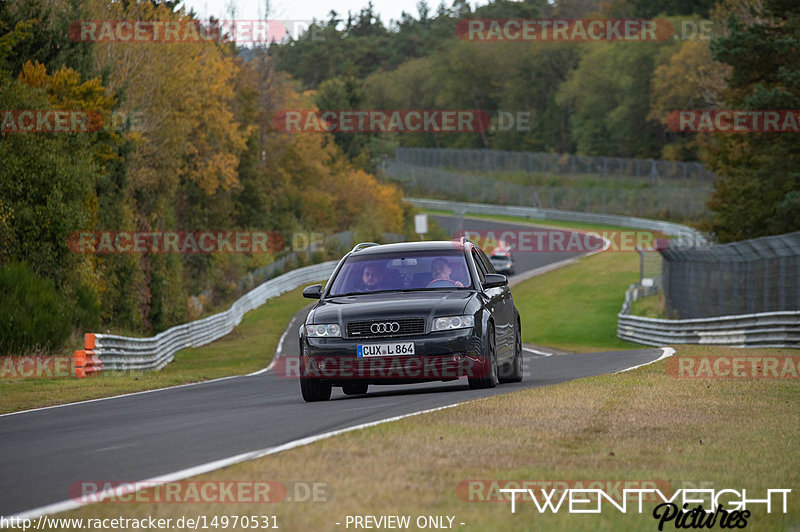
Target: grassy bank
248,348
575,308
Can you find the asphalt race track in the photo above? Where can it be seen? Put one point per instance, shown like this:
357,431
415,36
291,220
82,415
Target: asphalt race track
146,435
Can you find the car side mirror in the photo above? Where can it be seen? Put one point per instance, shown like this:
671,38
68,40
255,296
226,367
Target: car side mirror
495,280
313,292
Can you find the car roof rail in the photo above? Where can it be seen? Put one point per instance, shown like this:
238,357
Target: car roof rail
362,245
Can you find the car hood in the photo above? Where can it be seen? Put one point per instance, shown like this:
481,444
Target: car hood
366,307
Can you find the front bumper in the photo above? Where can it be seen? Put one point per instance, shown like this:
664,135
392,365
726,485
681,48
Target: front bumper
439,356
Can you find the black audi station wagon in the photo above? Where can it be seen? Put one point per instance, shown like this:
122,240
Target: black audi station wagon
407,313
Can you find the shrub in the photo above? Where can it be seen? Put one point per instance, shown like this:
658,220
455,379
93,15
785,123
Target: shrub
33,313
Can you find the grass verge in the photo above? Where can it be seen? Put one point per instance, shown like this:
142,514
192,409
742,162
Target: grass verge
641,425
650,307
248,348
575,307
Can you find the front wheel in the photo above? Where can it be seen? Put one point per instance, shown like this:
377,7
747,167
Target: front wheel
512,372
490,379
313,390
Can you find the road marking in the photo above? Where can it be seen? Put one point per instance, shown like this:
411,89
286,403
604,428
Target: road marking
666,352
120,396
200,469
537,352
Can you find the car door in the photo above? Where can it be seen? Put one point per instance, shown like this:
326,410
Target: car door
498,305
509,318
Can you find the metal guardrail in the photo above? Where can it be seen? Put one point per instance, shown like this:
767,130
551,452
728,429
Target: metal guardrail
684,236
112,352
762,329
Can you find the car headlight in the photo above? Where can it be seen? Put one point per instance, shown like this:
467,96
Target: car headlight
453,322
324,330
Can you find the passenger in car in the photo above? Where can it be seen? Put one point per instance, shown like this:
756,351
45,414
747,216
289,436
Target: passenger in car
441,271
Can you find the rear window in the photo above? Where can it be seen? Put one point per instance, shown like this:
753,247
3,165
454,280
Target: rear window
420,270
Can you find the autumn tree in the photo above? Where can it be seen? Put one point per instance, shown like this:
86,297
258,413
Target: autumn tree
758,189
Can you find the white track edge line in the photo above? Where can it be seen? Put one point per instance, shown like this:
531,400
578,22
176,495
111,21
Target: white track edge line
666,352
537,352
208,467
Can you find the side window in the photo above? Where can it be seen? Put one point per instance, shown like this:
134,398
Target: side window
479,266
486,262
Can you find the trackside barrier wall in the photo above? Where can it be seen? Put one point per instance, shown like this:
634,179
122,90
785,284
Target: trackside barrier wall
763,329
747,277
112,352
745,294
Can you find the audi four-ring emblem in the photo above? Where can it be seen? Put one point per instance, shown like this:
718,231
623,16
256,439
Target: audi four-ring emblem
386,327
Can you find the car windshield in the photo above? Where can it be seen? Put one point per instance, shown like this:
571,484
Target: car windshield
429,270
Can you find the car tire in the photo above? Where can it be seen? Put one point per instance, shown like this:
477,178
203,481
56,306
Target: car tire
512,372
490,380
313,390
358,388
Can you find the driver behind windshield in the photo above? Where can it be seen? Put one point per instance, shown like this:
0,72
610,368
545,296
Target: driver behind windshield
372,278
441,271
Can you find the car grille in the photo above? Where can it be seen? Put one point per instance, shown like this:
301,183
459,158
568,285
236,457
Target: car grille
406,326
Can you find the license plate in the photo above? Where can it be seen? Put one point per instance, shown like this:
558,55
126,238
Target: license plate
385,350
